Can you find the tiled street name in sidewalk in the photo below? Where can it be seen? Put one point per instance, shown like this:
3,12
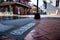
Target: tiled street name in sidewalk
23,29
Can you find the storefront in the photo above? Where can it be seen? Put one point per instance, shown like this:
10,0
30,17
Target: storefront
14,8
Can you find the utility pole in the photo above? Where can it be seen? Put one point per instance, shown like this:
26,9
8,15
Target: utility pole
37,14
37,6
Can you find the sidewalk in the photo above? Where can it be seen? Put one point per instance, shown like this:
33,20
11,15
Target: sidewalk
40,15
9,24
28,15
47,29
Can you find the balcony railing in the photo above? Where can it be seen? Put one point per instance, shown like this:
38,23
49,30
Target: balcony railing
9,1
19,2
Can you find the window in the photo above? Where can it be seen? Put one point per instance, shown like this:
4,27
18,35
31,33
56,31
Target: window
45,4
17,0
57,3
10,0
2,1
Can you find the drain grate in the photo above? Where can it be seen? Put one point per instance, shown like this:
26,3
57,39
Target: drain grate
23,29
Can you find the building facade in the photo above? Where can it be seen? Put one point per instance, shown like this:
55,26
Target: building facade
34,9
53,7
20,7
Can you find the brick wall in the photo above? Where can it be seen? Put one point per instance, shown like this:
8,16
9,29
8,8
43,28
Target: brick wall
22,11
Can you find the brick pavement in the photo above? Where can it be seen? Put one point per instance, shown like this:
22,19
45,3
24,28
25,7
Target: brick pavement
47,29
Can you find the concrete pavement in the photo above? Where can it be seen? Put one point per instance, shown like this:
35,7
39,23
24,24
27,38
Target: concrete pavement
8,24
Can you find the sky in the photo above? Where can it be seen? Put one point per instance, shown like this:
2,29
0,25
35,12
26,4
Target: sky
40,2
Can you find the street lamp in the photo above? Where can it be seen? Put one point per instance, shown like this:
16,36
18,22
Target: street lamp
37,14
